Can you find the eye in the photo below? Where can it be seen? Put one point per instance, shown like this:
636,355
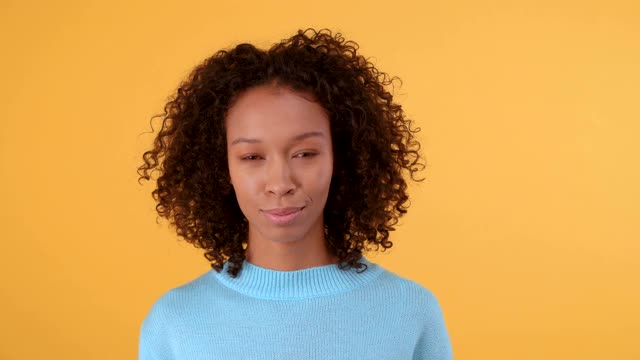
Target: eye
309,154
250,157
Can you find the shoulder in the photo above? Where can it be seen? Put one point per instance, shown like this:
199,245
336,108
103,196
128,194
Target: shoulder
175,302
419,299
424,314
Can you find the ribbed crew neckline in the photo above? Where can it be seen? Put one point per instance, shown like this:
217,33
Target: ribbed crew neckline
306,283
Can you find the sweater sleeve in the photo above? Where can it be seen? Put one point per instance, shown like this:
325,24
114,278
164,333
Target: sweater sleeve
434,342
153,340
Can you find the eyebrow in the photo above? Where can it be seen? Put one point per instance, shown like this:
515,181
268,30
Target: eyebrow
294,139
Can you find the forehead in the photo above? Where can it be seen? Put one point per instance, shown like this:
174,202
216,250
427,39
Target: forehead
274,111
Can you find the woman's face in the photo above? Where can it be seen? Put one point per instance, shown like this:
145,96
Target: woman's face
280,156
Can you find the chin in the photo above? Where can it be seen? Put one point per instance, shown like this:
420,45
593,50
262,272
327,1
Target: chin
287,236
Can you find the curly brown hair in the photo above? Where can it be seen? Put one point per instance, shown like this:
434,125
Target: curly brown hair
372,141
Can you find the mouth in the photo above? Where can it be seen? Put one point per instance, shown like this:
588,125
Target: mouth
283,211
284,216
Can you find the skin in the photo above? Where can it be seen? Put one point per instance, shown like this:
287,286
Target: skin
270,168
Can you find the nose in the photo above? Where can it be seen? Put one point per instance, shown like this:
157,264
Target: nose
280,178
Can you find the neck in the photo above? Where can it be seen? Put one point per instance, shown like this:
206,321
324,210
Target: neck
289,255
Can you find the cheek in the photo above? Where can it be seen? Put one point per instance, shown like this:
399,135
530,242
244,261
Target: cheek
320,179
243,186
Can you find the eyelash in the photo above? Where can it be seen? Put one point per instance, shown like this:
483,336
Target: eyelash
310,155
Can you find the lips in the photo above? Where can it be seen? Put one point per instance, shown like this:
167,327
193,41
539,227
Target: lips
283,216
283,211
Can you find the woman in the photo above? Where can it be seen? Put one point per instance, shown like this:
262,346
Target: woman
285,165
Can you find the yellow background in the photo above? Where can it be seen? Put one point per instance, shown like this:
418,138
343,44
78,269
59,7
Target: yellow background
526,229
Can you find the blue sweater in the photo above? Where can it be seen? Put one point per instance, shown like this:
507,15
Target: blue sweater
315,313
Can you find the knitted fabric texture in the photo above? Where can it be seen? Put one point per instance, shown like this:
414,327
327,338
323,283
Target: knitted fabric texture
315,313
